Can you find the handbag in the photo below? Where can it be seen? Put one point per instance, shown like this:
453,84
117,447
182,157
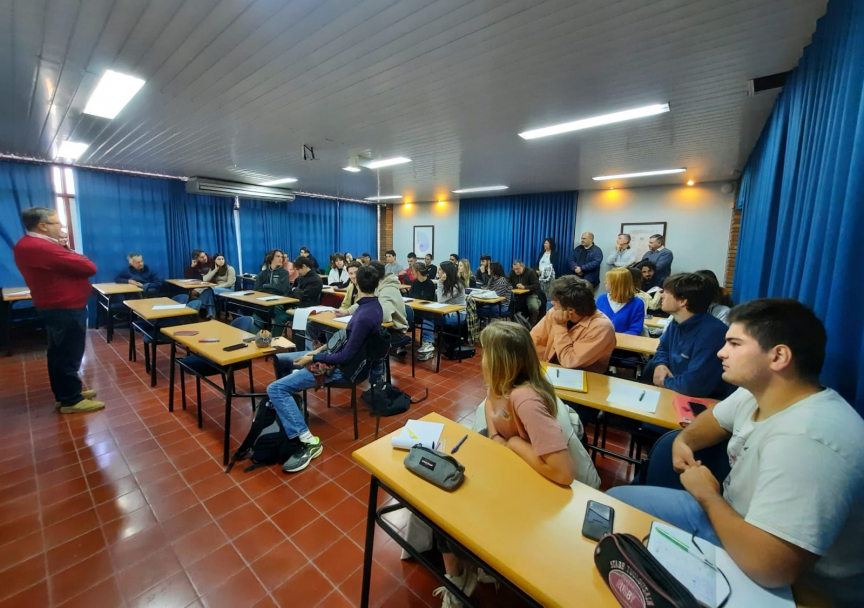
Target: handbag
435,467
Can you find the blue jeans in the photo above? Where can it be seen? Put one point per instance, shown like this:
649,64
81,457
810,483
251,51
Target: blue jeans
207,298
678,507
66,331
282,391
429,323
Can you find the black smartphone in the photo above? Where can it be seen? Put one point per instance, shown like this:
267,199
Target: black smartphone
236,346
696,408
598,520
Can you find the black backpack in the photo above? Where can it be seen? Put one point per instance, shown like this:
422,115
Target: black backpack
266,443
388,400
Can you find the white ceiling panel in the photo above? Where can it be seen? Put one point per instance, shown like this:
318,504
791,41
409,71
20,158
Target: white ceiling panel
235,88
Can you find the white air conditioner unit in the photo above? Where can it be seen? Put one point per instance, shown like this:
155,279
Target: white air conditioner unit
215,187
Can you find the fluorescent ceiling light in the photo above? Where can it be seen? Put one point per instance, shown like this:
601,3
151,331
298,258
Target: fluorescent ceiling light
351,169
601,178
483,189
112,93
384,198
387,162
72,149
284,180
596,121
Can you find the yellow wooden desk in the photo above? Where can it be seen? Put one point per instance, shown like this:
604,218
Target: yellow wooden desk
16,294
188,284
253,302
332,291
636,344
519,292
525,528
329,319
106,291
224,363
143,309
658,322
423,306
10,296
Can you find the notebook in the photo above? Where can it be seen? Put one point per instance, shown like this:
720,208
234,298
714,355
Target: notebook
269,298
567,379
168,307
634,396
417,431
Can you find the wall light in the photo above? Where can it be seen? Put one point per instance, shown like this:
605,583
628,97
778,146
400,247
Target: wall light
391,197
282,180
71,149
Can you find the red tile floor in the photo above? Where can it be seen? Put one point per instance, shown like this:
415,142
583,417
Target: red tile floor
130,506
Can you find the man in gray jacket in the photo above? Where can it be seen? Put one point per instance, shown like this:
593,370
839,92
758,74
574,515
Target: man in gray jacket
661,256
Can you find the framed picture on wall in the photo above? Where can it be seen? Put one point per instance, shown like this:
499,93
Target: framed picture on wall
424,241
640,232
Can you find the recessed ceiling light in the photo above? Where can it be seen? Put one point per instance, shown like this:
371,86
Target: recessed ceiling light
284,180
112,94
71,149
690,182
481,189
387,162
600,178
351,169
596,121
384,198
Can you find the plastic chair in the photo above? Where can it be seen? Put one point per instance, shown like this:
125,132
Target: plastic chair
656,469
147,338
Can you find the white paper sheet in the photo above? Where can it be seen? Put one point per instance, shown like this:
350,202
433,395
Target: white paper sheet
301,316
417,431
408,299
25,292
344,319
168,307
631,395
268,298
567,379
435,305
664,322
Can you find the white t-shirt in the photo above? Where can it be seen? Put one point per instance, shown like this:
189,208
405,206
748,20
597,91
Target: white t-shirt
799,475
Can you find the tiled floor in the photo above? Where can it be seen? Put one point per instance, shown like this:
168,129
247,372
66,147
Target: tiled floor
130,506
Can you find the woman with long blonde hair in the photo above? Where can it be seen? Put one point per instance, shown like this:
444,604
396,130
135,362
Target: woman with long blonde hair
463,271
620,304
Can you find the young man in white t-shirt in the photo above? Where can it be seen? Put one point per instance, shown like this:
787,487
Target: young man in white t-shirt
792,507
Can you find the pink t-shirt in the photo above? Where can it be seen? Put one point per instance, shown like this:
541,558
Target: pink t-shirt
524,414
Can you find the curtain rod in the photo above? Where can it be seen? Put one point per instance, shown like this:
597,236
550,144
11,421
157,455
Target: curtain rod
31,159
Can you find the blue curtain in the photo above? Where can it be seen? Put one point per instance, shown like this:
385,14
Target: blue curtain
358,228
22,185
264,225
802,195
514,227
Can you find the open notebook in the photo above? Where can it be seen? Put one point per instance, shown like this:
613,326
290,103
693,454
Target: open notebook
567,379
417,431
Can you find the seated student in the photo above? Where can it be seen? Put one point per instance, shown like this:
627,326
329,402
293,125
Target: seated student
307,288
686,360
304,253
790,509
389,296
289,266
422,288
407,276
348,258
201,264
431,269
574,334
651,300
364,324
500,284
650,278
482,273
520,410
338,273
224,277
139,274
523,277
620,304
392,266
454,258
448,291
351,292
463,271
365,259
273,279
720,305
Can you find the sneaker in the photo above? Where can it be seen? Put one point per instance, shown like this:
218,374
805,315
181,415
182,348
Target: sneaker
300,459
425,356
487,579
87,405
426,347
85,394
401,351
465,581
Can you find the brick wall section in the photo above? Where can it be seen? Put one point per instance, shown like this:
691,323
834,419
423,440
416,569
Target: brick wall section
734,231
386,230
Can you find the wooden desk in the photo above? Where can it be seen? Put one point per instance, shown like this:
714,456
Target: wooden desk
421,306
329,319
224,362
252,302
106,291
520,292
144,310
330,291
542,553
188,284
10,296
656,322
637,344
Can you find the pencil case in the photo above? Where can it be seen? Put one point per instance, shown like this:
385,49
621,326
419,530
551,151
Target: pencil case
435,467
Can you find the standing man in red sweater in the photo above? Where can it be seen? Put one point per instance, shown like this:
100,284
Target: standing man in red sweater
58,282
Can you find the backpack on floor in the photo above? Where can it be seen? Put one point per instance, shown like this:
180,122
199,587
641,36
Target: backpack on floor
388,400
266,443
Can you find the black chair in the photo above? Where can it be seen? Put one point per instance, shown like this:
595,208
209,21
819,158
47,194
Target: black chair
656,469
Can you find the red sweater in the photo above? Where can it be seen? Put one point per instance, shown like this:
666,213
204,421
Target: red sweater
56,276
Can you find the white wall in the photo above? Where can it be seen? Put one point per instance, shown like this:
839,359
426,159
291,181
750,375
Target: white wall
698,220
444,216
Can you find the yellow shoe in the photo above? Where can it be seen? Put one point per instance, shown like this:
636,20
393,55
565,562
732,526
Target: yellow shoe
85,394
88,405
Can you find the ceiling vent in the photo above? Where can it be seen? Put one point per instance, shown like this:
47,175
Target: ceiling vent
215,187
766,83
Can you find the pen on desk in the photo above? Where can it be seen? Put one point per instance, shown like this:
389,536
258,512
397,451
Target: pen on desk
556,372
458,445
642,396
686,548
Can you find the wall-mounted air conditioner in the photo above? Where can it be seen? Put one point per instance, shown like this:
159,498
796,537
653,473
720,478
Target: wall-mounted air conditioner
215,187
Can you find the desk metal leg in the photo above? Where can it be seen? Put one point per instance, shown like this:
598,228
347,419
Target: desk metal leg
369,545
132,356
6,320
229,391
109,320
171,377
153,363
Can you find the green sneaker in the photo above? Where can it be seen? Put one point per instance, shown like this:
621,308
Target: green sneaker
88,405
300,459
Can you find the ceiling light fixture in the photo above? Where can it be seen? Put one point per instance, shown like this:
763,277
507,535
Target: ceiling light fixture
601,178
387,162
691,183
351,169
481,189
112,94
596,121
384,198
353,165
276,182
72,149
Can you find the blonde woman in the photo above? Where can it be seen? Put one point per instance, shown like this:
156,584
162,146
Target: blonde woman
464,274
620,304
521,411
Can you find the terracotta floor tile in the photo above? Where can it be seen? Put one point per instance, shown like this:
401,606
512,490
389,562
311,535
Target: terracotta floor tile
306,481
276,499
168,506
381,587
21,549
120,506
225,502
308,582
213,486
353,480
63,491
19,528
295,517
202,471
215,569
70,553
281,563
134,549
237,522
113,489
199,544
186,522
340,560
21,576
258,541
347,514
80,577
176,590
129,524
107,593
70,528
242,589
149,572
37,595
316,537
326,497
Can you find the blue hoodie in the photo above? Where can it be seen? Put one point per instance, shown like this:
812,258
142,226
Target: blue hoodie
145,276
689,350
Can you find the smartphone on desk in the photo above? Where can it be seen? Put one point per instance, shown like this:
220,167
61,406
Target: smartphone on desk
598,520
235,346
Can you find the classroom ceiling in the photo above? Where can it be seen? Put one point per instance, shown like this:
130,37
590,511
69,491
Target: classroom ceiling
235,88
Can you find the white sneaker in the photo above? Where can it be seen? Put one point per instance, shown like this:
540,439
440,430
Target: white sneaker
487,579
426,347
426,356
402,350
466,582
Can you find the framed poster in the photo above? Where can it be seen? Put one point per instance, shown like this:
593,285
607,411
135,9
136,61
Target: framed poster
640,232
424,241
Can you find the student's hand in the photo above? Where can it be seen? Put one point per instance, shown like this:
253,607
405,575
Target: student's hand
661,372
194,263
682,456
559,316
520,286
700,482
134,282
578,270
341,313
303,361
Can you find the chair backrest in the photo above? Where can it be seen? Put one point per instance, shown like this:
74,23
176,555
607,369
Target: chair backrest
658,471
409,315
194,304
181,298
242,323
